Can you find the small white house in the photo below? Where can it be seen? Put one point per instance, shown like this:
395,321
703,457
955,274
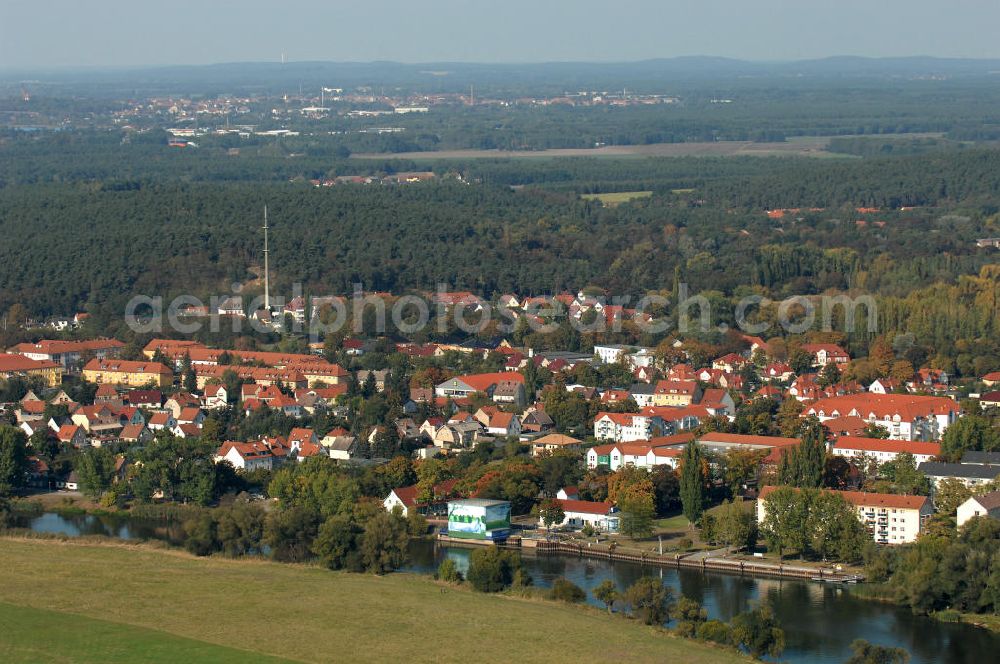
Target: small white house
246,456
986,505
580,513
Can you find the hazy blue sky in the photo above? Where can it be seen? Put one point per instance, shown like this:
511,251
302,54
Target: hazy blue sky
47,33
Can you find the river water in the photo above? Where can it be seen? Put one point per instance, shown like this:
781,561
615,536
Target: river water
820,620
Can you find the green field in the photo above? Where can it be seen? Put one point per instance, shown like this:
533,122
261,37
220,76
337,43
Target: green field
617,197
85,602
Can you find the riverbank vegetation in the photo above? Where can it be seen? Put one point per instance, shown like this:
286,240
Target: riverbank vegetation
120,583
947,573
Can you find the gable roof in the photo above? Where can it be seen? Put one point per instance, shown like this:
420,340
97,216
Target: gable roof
585,506
879,445
556,439
864,499
127,366
989,501
408,494
966,470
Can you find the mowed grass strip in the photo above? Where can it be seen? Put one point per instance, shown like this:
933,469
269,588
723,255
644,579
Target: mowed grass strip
39,635
311,614
617,197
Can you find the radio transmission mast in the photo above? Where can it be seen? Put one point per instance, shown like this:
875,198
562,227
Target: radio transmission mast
267,275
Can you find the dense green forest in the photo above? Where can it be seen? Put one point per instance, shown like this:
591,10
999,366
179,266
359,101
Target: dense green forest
91,220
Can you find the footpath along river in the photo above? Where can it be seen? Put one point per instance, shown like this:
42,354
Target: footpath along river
820,620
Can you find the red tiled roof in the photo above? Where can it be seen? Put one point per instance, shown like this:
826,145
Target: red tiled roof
879,445
676,439
585,506
687,387
20,363
58,346
127,366
483,382
621,419
676,413
744,439
907,406
67,431
408,494
863,499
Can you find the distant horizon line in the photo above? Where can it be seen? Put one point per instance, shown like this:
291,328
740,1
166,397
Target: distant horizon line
502,63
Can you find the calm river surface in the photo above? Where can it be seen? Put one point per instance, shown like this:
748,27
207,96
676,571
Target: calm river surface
820,620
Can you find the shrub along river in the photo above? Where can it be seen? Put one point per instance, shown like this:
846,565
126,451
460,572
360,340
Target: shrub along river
820,620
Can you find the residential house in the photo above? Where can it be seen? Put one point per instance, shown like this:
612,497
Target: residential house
216,397
552,442
457,434
246,456
504,424
72,434
885,386
990,399
461,387
300,436
970,474
643,394
179,401
676,393
678,418
889,518
124,372
187,430
536,420
162,421
379,377
718,402
601,516
69,354
136,433
404,499
778,371
342,448
568,493
144,398
986,505
624,427
232,306
883,450
824,354
12,366
191,415
904,416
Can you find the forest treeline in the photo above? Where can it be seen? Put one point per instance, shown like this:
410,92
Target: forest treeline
88,222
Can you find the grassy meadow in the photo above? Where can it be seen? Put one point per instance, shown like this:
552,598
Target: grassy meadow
617,197
89,602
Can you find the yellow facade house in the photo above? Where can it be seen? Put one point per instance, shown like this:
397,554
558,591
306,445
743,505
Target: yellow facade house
125,372
12,365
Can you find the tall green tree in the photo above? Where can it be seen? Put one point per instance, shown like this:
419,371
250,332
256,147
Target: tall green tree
692,482
383,545
649,600
637,514
13,459
863,652
95,468
607,592
802,465
759,632
969,433
786,514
